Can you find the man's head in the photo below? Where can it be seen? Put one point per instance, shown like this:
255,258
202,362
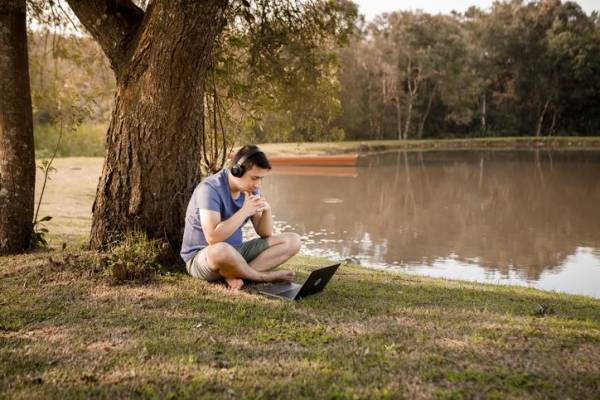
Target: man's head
249,166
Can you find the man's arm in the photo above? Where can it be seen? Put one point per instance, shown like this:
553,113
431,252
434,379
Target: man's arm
216,231
263,221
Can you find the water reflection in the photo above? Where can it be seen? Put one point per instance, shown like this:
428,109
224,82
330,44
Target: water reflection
495,216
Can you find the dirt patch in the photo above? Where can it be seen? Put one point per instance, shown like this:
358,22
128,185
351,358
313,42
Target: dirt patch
52,334
452,343
107,346
133,294
376,324
586,358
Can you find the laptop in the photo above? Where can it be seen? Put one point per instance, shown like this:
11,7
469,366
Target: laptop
315,283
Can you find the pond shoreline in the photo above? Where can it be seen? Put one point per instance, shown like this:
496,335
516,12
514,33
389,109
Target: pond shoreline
369,147
378,146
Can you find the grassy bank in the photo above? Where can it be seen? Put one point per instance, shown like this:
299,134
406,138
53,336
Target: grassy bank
88,140
67,332
508,143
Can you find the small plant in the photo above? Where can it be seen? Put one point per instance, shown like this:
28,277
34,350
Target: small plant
134,258
38,236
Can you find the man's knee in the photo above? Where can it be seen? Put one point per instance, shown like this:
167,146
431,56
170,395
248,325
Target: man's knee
219,254
293,242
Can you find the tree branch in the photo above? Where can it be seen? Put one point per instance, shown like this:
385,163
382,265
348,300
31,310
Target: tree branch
112,23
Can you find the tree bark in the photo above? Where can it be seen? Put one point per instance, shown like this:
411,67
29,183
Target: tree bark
483,111
17,157
426,114
553,125
398,118
154,139
540,122
412,89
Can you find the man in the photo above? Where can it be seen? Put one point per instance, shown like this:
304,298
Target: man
220,206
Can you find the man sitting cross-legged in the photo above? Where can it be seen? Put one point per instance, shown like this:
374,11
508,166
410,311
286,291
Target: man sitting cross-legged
220,205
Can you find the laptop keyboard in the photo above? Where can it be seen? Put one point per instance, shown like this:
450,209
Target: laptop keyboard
289,293
279,288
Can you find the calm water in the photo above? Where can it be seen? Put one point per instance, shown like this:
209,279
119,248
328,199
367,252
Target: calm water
526,217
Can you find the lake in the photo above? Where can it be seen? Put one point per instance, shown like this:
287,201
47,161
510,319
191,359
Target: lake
529,218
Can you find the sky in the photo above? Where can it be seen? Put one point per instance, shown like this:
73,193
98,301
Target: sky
371,8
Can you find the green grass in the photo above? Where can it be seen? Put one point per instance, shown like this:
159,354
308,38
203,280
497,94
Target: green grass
68,332
87,140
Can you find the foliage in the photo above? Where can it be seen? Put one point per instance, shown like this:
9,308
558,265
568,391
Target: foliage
273,75
68,70
275,69
70,79
312,71
135,258
519,69
38,237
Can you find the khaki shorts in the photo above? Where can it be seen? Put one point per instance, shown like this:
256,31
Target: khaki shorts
198,267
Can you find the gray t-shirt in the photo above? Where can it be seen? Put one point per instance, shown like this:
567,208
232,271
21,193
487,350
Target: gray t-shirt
212,193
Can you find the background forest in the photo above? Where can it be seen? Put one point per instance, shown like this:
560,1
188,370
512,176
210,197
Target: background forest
517,69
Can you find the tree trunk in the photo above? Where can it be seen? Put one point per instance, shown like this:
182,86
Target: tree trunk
17,157
427,110
408,116
412,88
483,111
538,130
398,118
369,106
154,139
553,125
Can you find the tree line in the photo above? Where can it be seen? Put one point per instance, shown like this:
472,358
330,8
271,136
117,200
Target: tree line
518,69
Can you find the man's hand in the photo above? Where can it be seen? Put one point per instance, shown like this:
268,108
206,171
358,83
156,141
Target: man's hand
264,205
252,204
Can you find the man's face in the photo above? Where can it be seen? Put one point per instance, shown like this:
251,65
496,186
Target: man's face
251,181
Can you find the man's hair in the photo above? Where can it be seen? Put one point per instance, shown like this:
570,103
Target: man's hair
259,158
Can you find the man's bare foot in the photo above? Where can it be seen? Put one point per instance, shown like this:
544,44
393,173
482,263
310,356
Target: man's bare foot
235,283
279,276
